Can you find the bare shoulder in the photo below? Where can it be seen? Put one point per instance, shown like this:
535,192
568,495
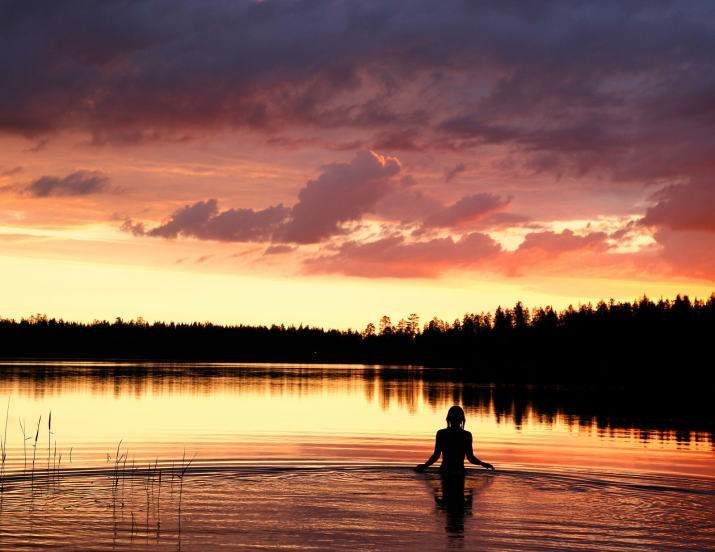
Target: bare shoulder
467,435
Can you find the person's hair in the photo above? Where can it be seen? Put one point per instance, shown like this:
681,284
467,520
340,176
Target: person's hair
455,417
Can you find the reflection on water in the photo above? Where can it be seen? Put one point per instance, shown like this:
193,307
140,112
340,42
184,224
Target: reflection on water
313,457
317,413
454,495
652,414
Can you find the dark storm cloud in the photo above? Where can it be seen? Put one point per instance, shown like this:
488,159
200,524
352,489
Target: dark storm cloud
78,183
625,88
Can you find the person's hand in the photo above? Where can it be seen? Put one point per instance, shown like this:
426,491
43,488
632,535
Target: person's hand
420,468
488,466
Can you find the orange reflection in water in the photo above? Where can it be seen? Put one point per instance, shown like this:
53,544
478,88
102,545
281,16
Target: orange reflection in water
267,414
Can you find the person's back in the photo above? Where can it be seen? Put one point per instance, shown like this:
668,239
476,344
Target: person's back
454,444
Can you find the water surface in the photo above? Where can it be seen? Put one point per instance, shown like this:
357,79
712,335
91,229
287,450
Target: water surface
318,457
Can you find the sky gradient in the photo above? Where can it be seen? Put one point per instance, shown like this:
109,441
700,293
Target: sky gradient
327,162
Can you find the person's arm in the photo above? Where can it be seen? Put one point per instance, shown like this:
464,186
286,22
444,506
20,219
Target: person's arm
435,455
473,459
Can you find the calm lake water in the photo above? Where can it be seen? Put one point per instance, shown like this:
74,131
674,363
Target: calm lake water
192,457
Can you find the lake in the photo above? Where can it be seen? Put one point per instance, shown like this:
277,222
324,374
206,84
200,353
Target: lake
319,457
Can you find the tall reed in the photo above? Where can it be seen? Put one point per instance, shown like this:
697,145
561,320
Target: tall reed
58,469
117,462
34,449
184,468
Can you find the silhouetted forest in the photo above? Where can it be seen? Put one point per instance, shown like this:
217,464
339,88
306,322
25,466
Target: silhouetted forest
645,342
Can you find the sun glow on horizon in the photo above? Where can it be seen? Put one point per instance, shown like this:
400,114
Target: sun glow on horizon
89,290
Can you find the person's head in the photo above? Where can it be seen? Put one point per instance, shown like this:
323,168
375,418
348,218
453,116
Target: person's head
455,417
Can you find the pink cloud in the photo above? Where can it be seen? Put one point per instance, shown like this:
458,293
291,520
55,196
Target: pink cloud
78,183
203,220
395,257
341,194
455,171
467,209
279,249
344,192
407,204
566,240
688,253
545,250
10,171
686,207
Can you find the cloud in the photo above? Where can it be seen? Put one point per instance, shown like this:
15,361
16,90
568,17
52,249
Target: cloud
279,249
624,93
559,242
505,220
395,257
343,192
40,145
10,171
410,206
562,252
682,220
407,204
134,228
452,173
467,209
204,220
627,91
398,140
79,183
688,252
688,206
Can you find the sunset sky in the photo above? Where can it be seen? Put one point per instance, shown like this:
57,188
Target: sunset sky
328,162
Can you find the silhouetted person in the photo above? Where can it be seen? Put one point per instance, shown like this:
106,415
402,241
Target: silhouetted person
453,443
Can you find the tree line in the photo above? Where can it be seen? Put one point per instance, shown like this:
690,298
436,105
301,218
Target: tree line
646,342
